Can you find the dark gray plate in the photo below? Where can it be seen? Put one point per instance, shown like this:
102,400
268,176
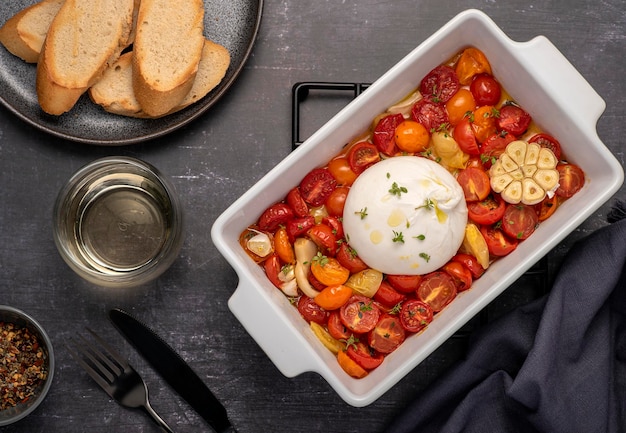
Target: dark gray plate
231,23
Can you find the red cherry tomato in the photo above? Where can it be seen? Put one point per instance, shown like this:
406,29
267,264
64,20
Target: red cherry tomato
311,311
460,274
519,221
336,200
494,146
296,227
471,263
488,211
335,224
440,84
415,315
272,268
317,186
497,242
475,183
349,259
359,314
429,114
336,328
485,89
437,289
324,238
513,119
317,284
297,203
387,335
546,208
463,134
387,296
404,283
363,355
548,141
274,216
362,155
384,136
571,180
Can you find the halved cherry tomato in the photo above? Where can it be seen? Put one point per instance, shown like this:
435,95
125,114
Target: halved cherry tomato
317,186
519,221
498,243
334,223
471,62
471,263
315,283
274,216
513,119
437,289
547,141
484,122
384,136
546,208
297,203
494,146
282,246
464,135
365,356
311,311
571,180
488,211
324,238
341,171
475,183
272,269
329,271
245,236
298,226
362,155
460,103
348,258
485,89
336,200
336,328
429,114
412,137
440,84
460,274
415,315
359,314
350,366
387,335
404,283
333,297
387,296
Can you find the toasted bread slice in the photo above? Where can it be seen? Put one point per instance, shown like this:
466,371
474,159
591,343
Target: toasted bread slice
114,92
85,37
23,34
167,50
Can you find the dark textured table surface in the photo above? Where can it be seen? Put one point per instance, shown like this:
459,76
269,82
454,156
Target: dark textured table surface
212,161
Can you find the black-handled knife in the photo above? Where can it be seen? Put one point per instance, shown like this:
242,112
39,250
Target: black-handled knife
176,372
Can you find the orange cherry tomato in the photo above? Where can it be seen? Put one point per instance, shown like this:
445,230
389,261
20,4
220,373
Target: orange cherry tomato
329,271
283,246
412,136
387,335
350,366
363,355
547,207
437,289
333,297
484,122
475,183
341,171
472,62
336,200
460,103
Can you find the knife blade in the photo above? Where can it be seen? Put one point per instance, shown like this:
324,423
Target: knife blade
173,368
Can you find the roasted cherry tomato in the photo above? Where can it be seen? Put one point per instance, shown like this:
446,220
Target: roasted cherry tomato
365,356
317,186
470,262
362,155
548,141
387,335
412,136
387,296
311,311
274,216
571,180
546,208
283,247
384,136
333,297
488,211
350,366
272,269
513,119
315,283
336,328
324,238
298,226
475,183
497,242
244,239
341,171
336,200
429,114
483,122
404,283
494,146
440,84
471,62
519,221
415,315
297,203
334,223
359,314
437,289
460,103
485,89
460,274
463,134
329,271
348,258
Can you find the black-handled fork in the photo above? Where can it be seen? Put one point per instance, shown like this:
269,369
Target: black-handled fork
114,374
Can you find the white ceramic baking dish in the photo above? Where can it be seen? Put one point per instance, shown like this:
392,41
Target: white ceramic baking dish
539,77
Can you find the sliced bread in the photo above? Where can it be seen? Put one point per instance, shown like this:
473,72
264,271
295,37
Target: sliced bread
114,91
167,50
23,34
85,37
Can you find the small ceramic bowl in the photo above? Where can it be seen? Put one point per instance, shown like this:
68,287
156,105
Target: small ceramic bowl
20,319
560,101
